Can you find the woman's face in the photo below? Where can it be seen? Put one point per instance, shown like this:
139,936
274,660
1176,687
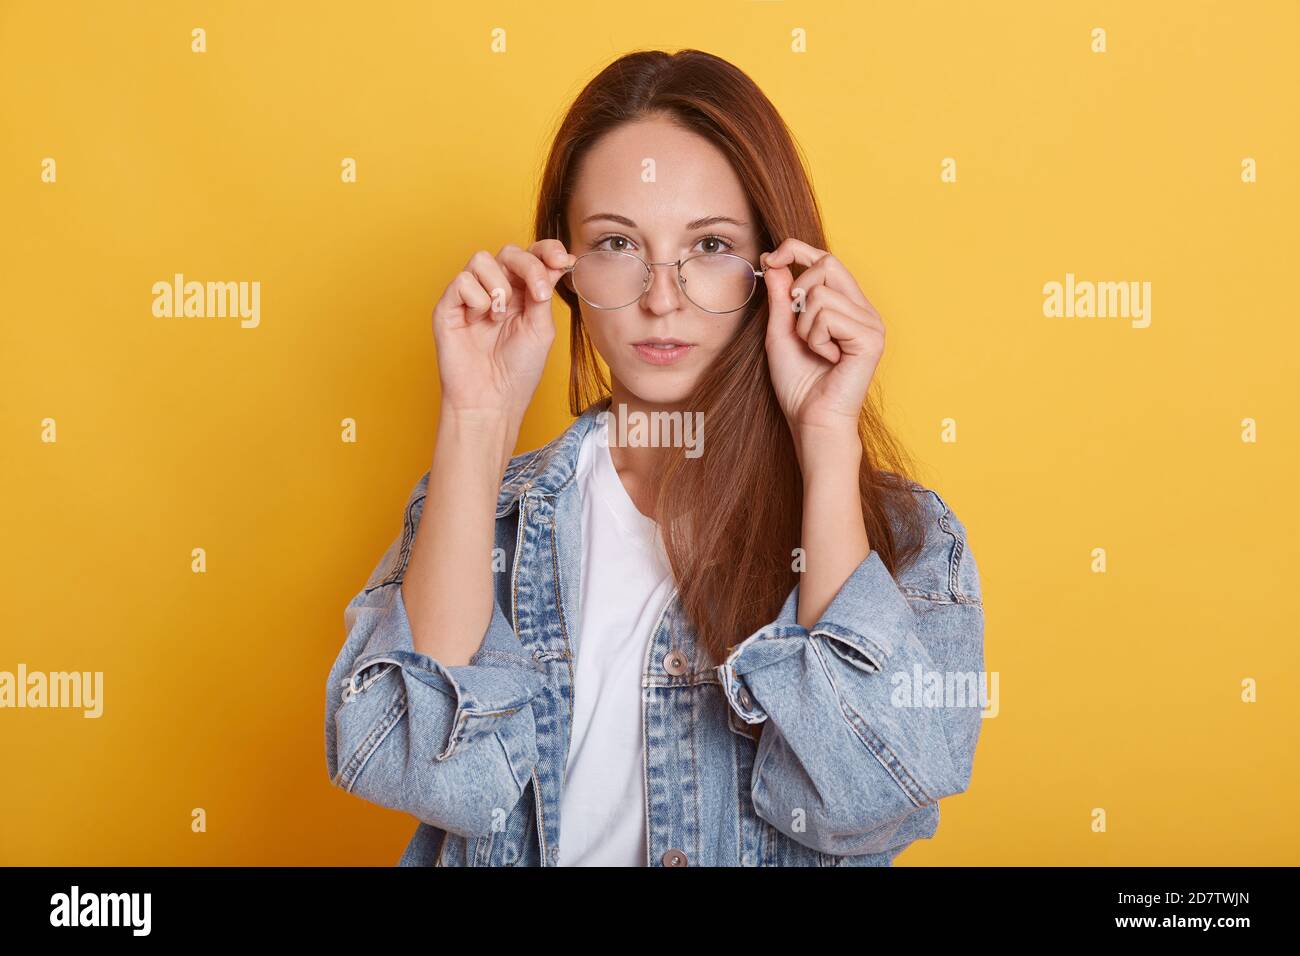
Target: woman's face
687,201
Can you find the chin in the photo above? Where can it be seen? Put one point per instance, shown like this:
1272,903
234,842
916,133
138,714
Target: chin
661,388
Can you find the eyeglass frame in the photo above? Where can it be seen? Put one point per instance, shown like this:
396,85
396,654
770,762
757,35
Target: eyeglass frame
681,279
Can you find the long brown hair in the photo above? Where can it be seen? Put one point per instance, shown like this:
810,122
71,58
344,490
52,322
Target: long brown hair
731,518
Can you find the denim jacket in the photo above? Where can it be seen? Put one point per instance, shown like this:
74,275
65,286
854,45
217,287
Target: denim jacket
848,771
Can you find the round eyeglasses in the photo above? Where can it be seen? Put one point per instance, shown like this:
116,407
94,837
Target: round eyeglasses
718,282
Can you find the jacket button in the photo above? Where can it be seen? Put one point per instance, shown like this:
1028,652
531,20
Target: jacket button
674,858
745,700
675,663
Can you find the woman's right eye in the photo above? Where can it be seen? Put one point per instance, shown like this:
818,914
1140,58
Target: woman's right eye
600,243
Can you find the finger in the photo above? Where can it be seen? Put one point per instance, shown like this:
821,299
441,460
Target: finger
780,311
553,254
821,297
824,336
555,257
830,272
538,280
494,280
851,337
470,293
463,302
529,270
820,338
821,268
792,251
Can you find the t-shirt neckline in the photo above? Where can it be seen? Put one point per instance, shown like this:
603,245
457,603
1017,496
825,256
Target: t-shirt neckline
640,527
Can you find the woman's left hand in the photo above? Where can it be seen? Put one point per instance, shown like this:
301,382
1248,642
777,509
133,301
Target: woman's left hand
823,346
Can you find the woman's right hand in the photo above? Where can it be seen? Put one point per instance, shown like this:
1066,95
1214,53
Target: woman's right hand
493,329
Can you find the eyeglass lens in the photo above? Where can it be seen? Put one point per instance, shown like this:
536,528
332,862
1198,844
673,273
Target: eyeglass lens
714,282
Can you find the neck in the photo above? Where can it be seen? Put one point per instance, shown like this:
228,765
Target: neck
637,463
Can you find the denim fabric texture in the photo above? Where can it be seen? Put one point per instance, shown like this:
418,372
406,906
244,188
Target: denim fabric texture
860,742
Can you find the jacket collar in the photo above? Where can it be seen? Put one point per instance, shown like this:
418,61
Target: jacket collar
547,470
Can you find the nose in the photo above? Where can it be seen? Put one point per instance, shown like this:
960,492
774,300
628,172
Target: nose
664,295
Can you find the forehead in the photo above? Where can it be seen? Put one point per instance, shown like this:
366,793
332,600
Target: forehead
657,174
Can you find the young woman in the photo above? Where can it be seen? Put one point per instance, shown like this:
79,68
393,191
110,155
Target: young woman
730,638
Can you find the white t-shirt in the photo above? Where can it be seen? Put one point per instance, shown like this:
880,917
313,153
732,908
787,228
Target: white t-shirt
626,581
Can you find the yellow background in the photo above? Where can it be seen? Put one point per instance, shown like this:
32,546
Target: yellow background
1119,691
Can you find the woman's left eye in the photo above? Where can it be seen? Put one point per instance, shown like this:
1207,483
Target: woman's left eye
722,245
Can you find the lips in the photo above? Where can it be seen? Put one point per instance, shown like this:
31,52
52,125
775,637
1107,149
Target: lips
659,351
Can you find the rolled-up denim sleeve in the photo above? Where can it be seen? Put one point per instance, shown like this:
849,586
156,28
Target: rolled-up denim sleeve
872,715
452,746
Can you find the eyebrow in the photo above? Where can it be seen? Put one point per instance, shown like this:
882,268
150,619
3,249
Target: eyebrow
692,225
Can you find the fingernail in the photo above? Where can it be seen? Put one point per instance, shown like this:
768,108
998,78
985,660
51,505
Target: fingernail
541,290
